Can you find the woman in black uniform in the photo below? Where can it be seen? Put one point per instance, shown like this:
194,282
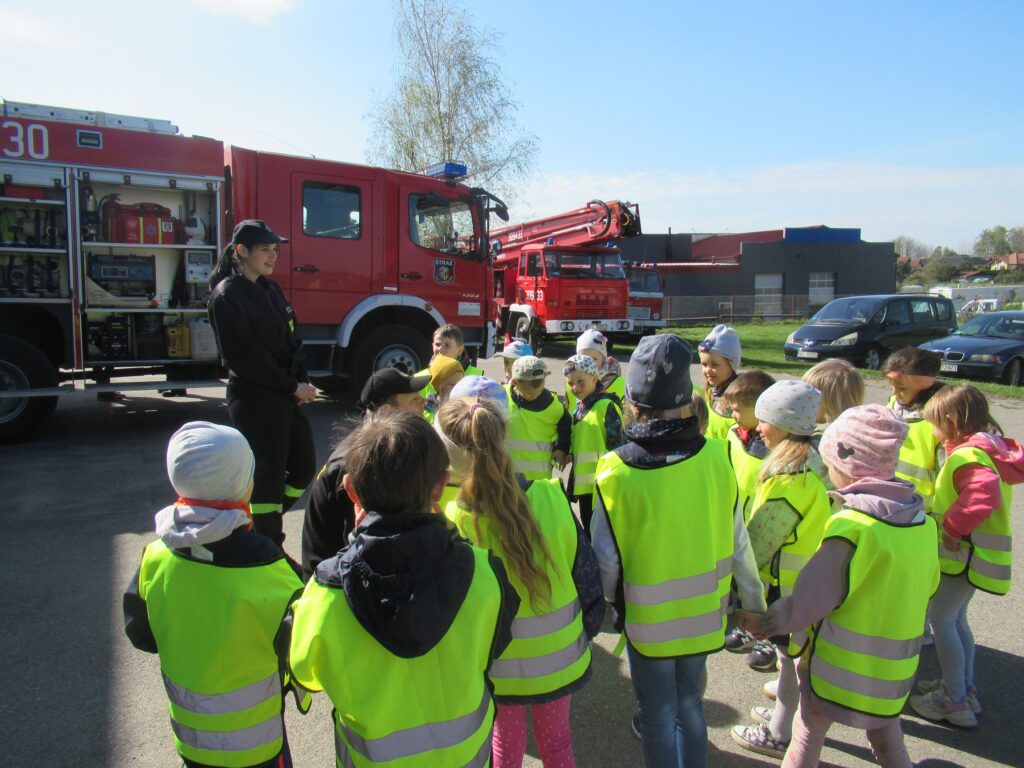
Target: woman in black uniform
255,328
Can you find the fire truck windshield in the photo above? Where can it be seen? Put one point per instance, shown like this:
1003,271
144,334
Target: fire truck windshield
644,281
441,225
606,266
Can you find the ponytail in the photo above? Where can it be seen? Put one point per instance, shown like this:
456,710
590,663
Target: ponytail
491,489
225,265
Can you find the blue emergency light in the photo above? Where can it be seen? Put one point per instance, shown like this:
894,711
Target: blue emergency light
450,171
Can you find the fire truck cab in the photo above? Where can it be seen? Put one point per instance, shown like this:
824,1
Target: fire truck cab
646,299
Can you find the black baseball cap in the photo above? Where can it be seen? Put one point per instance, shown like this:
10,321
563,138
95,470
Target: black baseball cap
255,232
389,382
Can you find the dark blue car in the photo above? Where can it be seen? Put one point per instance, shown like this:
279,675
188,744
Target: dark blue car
989,346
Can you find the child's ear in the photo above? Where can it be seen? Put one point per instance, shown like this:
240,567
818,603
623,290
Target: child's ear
438,490
350,489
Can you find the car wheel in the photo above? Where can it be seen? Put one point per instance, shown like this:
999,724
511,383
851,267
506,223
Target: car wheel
873,358
1011,373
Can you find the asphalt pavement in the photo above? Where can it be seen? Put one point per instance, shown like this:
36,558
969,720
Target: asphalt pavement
80,503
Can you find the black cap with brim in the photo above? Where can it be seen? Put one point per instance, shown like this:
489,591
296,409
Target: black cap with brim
255,232
388,383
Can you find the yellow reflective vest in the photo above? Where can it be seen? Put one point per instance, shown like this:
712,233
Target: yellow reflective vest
616,387
864,654
214,627
746,467
549,649
676,557
805,493
718,425
588,445
986,554
427,711
531,435
919,457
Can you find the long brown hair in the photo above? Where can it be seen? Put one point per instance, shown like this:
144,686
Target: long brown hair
960,411
491,489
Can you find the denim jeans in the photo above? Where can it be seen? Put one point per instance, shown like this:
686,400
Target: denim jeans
671,709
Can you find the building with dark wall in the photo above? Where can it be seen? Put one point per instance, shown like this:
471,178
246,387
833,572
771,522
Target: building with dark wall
770,273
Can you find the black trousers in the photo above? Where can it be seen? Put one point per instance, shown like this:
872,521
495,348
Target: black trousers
282,442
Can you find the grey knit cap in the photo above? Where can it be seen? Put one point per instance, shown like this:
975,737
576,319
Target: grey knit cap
723,341
791,405
659,373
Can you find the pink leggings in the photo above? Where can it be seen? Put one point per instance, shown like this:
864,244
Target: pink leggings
550,729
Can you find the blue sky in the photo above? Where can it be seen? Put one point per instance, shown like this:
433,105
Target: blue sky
899,118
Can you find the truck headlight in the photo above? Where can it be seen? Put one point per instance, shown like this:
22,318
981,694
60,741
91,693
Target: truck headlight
566,326
656,315
845,341
985,358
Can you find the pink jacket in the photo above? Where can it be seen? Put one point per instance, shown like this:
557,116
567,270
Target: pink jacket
977,486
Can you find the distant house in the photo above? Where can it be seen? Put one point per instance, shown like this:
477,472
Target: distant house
767,273
1008,261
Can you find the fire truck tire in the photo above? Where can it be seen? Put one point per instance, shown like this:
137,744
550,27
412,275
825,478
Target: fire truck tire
390,346
23,366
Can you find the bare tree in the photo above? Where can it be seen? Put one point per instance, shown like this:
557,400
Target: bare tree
449,101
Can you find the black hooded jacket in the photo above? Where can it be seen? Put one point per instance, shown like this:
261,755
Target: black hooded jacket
405,578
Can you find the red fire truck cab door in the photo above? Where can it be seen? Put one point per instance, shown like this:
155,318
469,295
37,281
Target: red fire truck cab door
438,256
331,244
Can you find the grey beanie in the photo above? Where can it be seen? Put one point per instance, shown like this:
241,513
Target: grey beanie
723,341
791,405
209,462
658,376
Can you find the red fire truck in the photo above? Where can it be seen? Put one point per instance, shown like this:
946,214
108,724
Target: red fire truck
110,226
646,299
563,274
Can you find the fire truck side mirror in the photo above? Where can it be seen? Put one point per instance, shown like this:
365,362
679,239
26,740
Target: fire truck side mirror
495,247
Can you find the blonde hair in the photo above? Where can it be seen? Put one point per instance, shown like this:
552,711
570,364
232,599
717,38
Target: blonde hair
840,384
960,411
491,489
788,457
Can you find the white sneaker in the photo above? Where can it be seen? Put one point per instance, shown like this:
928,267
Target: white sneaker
927,686
938,706
771,689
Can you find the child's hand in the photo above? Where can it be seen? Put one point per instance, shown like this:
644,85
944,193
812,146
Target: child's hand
952,543
561,459
751,623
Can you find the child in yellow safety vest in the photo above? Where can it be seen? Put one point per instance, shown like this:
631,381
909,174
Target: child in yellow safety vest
209,597
445,372
539,427
720,356
400,628
787,519
596,429
972,509
530,526
448,341
512,351
594,345
864,592
746,453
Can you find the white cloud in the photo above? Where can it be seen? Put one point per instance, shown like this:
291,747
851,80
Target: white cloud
948,206
255,11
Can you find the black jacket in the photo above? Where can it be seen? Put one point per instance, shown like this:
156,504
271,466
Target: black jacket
255,329
406,577
330,515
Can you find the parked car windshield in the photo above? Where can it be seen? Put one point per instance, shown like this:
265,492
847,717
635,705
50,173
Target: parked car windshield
606,266
853,310
996,327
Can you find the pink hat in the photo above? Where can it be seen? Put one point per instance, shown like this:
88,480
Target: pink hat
864,441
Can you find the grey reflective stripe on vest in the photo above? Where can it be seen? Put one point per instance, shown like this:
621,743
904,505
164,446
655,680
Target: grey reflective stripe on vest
540,666
582,480
678,589
223,703
479,759
994,541
961,555
416,740
860,684
989,569
791,562
912,470
526,465
587,456
258,735
676,629
546,623
870,645
529,445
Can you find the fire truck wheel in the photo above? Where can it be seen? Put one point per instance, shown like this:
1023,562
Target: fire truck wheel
390,346
23,366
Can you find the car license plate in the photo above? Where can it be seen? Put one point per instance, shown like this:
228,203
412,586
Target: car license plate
807,354
947,367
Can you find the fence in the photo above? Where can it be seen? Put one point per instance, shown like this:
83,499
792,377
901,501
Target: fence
683,310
